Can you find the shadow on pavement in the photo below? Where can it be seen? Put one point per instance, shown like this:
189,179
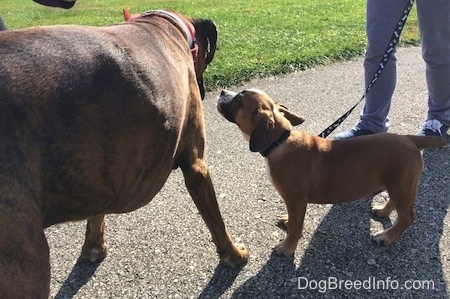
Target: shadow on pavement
221,280
81,273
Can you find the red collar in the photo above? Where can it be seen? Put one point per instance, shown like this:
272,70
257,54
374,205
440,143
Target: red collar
186,27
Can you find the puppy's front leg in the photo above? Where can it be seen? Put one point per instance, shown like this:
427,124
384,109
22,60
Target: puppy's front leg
296,215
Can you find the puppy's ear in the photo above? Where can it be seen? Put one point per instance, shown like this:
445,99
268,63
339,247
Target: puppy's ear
263,134
293,118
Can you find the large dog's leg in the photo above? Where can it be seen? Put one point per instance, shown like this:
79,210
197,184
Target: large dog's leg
94,247
200,187
24,255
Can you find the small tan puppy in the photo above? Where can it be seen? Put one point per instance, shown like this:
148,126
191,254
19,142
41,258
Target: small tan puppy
309,169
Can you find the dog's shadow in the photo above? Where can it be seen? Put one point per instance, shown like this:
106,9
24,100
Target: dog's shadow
221,280
81,273
340,261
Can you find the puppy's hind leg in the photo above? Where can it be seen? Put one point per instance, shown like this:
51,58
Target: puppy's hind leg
94,247
283,221
403,200
384,211
296,215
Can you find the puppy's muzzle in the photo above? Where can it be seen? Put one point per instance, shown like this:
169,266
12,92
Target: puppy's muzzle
224,104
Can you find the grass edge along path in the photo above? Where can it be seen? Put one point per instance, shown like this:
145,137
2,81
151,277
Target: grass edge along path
257,38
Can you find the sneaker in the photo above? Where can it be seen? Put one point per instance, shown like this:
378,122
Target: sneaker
432,127
354,132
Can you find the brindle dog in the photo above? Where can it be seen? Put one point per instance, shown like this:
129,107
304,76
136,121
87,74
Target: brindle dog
92,121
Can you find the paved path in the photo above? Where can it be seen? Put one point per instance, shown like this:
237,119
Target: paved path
164,250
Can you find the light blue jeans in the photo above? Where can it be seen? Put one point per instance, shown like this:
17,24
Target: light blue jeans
434,26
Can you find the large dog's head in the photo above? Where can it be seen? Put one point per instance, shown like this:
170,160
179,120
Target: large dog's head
260,119
201,35
206,39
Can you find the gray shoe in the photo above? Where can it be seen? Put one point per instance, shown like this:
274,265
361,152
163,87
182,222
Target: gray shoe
354,132
433,127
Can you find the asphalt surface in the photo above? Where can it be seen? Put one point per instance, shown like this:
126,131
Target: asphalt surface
164,250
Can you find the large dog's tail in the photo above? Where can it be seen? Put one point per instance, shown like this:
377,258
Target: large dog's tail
427,141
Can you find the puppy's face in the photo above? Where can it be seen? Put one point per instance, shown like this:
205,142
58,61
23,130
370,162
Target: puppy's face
260,119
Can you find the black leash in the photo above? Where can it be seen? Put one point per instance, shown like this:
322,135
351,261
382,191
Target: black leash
387,54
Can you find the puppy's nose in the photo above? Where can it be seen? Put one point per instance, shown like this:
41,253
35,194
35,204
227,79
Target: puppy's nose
226,94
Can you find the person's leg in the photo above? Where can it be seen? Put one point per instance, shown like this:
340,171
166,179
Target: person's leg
434,25
382,17
2,25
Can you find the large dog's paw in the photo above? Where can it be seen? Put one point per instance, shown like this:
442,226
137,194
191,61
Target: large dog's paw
94,253
237,257
284,248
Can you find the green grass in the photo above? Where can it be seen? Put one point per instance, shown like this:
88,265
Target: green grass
257,38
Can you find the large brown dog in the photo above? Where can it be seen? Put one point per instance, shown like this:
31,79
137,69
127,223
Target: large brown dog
92,121
309,169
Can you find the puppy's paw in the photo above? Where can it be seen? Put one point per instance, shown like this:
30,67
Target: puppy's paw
381,239
380,212
283,221
284,249
383,210
235,258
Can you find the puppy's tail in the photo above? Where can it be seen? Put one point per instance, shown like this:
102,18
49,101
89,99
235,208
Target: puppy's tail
427,141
